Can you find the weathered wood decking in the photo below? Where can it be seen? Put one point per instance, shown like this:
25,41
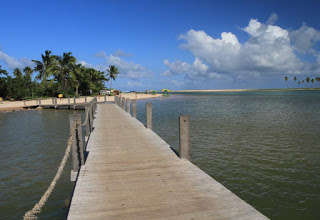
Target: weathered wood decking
131,173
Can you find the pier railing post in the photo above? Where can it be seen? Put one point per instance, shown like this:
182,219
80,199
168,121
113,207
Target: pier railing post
88,121
91,116
55,103
68,100
105,99
74,102
52,100
134,108
39,102
85,99
184,137
128,105
77,151
24,103
149,115
123,102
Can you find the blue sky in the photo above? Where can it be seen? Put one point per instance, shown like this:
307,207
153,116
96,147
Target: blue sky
171,44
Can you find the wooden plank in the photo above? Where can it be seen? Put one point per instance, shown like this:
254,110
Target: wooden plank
131,173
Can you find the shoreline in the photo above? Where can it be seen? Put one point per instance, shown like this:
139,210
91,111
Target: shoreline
11,106
246,90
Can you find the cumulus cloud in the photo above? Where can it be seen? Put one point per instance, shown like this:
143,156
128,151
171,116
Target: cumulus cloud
12,62
305,38
269,51
120,53
126,69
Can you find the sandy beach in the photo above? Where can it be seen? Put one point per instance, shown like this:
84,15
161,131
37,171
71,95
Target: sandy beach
8,106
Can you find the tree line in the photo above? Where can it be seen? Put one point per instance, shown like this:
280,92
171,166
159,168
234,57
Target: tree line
305,83
55,75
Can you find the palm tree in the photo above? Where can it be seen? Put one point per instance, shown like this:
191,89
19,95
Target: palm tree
286,79
112,73
45,67
308,80
64,71
17,73
312,81
28,72
295,79
2,71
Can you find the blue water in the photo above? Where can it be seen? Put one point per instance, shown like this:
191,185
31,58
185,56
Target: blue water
263,146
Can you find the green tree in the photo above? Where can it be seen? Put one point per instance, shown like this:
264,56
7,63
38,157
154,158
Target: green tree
308,80
2,71
45,68
286,79
17,73
64,70
28,85
112,74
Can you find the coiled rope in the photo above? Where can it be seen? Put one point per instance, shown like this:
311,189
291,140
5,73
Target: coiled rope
31,214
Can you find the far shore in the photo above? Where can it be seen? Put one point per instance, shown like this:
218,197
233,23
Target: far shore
245,90
9,106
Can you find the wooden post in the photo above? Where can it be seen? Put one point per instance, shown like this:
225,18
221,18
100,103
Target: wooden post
105,99
184,137
123,102
77,145
85,99
90,116
134,108
74,102
88,121
68,100
55,103
24,102
39,102
128,105
52,100
149,115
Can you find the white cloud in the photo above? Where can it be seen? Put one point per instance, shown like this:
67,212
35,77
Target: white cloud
121,53
126,69
138,84
12,62
269,51
305,38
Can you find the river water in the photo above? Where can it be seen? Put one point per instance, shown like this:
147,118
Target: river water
263,146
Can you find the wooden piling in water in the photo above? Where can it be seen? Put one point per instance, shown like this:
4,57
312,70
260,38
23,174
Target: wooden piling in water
77,151
184,137
128,105
149,115
74,102
134,108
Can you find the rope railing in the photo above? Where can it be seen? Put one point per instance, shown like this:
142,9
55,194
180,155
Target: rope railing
31,214
75,146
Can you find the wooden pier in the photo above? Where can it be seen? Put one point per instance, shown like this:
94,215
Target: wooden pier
131,173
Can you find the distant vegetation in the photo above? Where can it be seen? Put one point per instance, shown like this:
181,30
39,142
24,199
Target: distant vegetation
55,75
303,83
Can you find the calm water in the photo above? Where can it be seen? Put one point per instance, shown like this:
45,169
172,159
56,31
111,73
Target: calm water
31,148
263,146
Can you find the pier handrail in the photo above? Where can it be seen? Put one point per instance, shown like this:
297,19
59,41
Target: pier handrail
72,143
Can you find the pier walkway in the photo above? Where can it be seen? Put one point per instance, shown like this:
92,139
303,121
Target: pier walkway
131,173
